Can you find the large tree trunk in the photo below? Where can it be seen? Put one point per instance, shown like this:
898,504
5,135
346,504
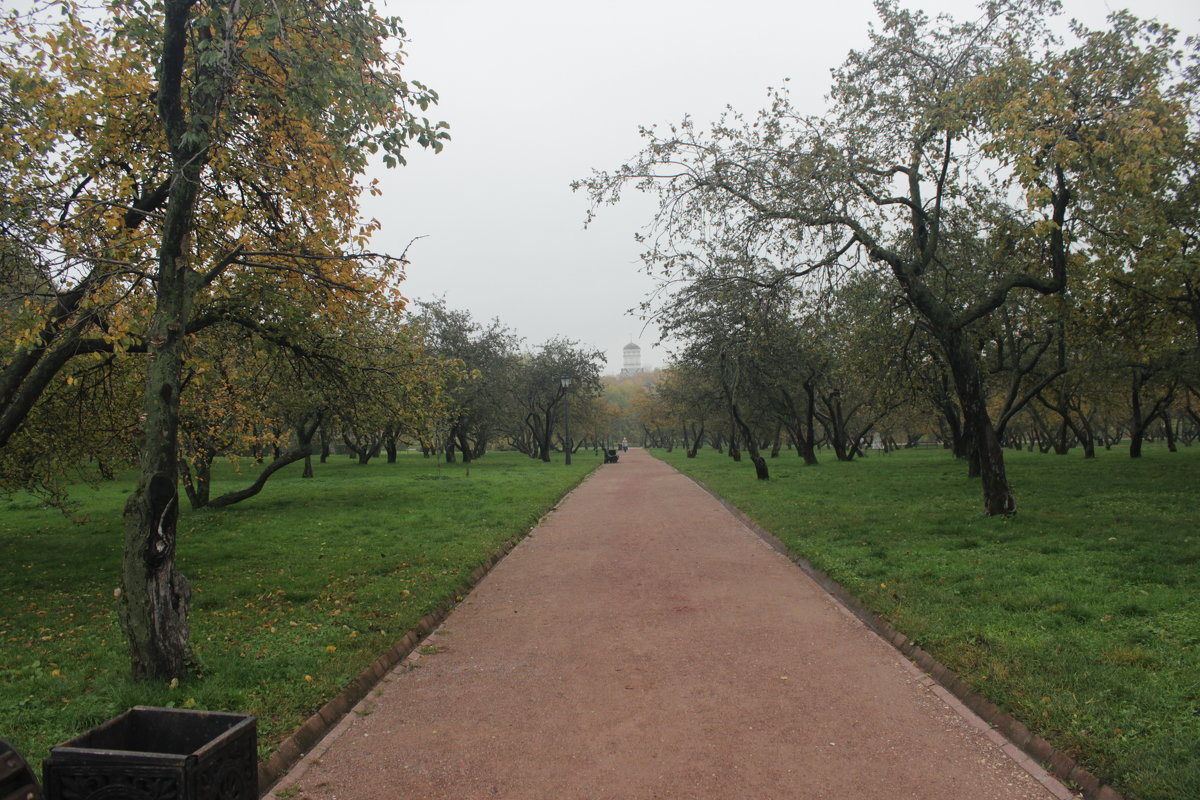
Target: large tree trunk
153,607
363,446
954,427
807,440
464,444
1138,421
544,435
1088,442
154,601
1062,442
835,426
1082,428
760,463
1169,432
987,457
799,423
697,438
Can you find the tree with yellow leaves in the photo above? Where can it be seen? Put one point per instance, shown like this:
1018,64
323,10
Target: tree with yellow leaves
168,167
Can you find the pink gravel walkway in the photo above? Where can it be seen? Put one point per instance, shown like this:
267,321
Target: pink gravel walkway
644,643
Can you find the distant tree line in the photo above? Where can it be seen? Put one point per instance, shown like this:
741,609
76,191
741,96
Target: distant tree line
883,388
507,395
381,381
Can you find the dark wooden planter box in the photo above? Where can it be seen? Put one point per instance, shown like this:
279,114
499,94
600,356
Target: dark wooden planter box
158,754
16,778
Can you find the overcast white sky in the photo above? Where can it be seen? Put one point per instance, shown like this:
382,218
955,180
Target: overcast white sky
540,92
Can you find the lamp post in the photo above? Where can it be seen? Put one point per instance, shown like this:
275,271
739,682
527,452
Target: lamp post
566,385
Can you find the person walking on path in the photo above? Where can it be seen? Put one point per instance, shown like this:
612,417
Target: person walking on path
643,643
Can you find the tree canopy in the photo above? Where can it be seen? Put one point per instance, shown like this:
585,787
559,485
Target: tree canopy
170,168
970,160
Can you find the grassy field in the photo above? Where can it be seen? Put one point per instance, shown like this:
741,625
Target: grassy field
1080,616
294,591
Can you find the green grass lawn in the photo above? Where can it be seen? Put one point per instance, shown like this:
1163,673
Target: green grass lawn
295,591
1080,616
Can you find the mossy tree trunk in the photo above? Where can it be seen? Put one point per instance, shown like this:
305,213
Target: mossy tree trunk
155,596
154,601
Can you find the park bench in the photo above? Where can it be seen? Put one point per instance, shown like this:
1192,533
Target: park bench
17,781
610,456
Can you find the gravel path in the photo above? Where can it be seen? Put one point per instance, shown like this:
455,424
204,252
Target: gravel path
643,643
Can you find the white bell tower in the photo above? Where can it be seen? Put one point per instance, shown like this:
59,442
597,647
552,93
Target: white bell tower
633,360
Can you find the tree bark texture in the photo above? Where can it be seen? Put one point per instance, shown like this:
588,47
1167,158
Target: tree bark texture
154,595
808,438
154,601
544,434
697,438
986,454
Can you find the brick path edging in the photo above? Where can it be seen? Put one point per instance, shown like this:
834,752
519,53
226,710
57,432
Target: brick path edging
326,718
1020,738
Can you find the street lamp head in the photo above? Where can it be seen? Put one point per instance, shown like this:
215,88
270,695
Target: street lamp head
566,381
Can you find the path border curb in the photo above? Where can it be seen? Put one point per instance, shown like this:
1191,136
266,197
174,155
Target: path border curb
324,720
1021,744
